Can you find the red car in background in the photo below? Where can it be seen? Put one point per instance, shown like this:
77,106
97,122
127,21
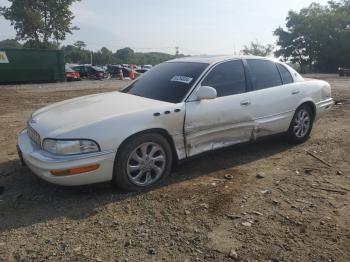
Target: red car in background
72,75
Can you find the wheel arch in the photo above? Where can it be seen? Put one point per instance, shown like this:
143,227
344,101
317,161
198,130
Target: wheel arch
159,131
310,104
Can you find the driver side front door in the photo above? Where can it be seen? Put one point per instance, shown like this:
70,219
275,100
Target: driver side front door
225,120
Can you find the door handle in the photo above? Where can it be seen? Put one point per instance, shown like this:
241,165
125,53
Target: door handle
295,92
245,103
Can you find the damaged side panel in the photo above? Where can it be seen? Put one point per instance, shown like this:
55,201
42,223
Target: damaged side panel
272,124
179,145
217,123
210,139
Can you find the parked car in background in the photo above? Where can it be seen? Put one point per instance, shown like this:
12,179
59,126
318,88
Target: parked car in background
179,109
71,75
144,68
103,67
343,71
114,71
136,67
91,72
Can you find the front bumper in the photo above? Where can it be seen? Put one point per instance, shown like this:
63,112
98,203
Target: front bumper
323,107
41,163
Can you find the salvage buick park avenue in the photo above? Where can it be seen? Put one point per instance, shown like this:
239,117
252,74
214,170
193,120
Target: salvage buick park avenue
178,109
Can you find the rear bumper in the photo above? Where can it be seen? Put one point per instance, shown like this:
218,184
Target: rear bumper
324,107
41,163
73,78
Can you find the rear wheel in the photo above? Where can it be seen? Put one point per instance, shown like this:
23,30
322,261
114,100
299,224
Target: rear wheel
142,162
301,125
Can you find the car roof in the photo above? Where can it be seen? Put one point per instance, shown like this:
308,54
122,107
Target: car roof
213,59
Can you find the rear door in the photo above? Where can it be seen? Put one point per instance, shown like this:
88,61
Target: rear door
222,121
273,97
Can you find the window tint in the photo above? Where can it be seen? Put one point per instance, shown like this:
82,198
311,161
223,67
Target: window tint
264,74
227,78
286,76
169,82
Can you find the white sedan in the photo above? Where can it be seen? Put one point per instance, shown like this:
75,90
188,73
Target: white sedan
178,109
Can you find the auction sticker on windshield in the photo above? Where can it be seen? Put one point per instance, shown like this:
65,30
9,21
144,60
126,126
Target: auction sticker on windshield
182,79
3,58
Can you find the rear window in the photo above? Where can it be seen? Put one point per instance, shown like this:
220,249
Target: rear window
264,74
169,82
285,74
99,69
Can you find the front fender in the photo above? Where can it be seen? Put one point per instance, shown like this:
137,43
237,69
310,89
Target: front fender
110,133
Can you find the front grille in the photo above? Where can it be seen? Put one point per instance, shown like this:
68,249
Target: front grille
34,136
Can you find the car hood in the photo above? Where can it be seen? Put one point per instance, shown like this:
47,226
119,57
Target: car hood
65,116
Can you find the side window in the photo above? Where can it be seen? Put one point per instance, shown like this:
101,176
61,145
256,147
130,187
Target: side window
227,78
286,76
264,74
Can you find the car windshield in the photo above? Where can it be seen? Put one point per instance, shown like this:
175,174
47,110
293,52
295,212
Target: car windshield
70,70
168,82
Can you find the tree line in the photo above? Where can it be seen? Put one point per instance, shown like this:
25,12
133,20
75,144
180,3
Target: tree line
316,38
78,54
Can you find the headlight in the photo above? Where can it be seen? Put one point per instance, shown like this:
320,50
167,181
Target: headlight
70,147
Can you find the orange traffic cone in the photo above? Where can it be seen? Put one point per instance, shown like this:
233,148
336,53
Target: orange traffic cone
121,76
132,74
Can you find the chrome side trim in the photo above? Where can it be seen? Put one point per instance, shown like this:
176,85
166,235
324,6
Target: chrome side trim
327,101
217,128
279,114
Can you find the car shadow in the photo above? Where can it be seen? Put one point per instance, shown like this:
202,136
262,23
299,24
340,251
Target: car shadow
26,199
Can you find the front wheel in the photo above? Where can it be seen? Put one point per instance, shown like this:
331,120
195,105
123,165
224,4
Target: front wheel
142,162
301,125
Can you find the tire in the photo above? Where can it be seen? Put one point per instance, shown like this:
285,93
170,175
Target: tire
142,162
301,125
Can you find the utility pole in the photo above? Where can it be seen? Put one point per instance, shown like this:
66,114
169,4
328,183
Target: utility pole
177,52
91,58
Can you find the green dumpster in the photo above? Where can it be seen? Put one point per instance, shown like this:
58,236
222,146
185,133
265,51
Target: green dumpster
31,65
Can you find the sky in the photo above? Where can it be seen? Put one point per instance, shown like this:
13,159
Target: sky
195,26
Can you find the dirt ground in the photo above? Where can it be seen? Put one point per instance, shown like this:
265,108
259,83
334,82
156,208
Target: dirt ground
262,201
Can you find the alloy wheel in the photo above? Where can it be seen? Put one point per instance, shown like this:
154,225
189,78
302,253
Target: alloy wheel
146,164
302,123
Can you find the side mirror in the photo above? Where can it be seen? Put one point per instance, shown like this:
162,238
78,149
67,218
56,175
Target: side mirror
206,92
